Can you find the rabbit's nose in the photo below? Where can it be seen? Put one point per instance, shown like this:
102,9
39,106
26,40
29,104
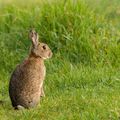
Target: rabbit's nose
50,54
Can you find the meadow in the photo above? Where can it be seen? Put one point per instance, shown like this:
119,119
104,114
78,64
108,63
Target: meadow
83,76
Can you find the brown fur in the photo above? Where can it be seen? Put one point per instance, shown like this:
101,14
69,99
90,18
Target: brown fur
26,83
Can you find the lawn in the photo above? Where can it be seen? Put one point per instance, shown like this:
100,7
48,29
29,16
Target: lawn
83,76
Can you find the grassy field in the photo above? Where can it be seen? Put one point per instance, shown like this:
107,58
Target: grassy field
83,77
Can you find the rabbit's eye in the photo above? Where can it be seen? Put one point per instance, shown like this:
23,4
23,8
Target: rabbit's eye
44,47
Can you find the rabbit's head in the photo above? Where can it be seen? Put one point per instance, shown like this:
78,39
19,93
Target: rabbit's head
39,49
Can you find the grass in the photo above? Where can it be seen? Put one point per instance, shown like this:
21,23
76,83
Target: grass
83,77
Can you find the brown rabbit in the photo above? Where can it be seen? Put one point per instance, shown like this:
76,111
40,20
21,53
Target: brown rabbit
26,83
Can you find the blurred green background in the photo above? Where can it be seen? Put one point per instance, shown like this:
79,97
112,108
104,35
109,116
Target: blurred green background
83,76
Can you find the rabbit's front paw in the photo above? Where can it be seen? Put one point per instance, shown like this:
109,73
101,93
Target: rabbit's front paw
42,94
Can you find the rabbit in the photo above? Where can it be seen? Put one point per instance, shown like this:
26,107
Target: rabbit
26,82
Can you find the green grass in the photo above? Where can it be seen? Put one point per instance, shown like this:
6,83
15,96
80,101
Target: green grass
83,77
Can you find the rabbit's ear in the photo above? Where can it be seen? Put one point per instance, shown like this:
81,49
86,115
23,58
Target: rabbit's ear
33,35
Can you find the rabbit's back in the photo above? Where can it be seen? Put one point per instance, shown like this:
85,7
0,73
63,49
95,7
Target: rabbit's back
25,82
